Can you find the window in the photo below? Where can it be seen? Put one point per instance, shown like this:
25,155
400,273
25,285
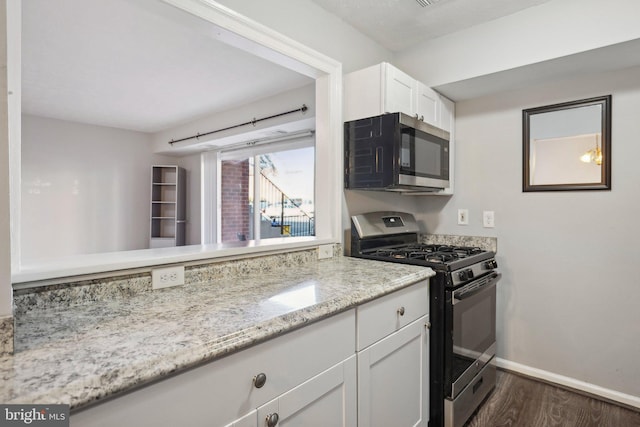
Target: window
263,192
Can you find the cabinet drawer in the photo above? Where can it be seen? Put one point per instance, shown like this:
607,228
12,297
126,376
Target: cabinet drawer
385,315
222,391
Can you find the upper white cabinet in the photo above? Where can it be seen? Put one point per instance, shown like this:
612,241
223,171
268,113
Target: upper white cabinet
383,88
398,92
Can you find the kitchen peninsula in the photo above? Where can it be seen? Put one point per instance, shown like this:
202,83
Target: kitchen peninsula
81,353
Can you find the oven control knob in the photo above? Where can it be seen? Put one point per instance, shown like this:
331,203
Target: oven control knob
464,275
491,264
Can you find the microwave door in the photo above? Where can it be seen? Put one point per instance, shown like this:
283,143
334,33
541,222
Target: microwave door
424,159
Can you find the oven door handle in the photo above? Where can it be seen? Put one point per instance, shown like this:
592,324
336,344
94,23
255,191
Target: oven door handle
490,282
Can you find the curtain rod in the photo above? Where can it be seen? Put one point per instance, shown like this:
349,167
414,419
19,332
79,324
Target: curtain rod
253,122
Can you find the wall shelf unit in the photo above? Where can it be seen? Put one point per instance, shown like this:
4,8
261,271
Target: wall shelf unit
168,206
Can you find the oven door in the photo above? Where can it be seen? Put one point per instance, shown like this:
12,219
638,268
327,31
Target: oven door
472,313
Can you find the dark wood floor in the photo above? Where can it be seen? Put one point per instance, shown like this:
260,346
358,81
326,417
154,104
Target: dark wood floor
522,402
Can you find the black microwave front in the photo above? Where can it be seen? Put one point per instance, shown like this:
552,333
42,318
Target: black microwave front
395,152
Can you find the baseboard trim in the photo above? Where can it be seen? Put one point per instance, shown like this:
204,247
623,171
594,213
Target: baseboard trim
612,395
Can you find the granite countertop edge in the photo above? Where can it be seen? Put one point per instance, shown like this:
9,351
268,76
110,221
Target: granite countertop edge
93,387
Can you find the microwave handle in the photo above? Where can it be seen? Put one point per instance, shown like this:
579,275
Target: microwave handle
379,151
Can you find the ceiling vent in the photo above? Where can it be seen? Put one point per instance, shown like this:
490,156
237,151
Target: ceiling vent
425,3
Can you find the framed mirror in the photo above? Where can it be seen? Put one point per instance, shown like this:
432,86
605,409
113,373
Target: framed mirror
567,146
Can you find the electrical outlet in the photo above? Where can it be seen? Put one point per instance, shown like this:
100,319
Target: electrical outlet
167,277
488,219
325,251
463,216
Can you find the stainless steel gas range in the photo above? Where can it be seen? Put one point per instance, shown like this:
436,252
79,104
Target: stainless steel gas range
462,310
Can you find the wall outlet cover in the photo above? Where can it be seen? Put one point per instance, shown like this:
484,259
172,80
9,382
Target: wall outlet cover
488,219
325,251
167,277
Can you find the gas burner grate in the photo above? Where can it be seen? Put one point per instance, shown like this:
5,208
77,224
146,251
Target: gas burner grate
442,257
427,254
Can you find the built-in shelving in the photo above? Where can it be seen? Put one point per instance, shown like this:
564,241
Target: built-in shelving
168,206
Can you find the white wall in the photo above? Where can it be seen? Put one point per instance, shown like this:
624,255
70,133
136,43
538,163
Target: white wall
85,188
568,300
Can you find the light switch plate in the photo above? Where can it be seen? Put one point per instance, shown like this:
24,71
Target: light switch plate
463,216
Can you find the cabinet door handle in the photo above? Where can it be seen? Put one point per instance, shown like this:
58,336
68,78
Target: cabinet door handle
401,311
272,419
260,380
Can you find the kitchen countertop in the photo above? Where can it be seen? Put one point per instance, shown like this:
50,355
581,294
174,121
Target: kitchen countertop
79,354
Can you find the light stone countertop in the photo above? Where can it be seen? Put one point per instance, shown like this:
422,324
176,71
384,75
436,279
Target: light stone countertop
79,354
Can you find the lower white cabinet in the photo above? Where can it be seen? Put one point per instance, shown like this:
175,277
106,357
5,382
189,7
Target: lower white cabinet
249,420
393,359
393,379
328,399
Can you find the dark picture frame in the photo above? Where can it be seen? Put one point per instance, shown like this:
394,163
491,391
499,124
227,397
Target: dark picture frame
553,137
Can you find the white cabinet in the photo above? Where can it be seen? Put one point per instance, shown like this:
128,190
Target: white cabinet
249,420
328,399
393,379
168,206
393,359
399,92
428,105
383,88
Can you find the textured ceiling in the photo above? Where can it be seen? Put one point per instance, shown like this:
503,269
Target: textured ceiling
139,65
400,24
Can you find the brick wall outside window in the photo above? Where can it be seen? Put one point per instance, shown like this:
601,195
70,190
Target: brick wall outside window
235,199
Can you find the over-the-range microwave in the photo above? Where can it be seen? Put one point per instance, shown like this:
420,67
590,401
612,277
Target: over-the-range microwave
395,152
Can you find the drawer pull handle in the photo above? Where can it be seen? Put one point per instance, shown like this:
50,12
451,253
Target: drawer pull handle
260,380
272,419
401,311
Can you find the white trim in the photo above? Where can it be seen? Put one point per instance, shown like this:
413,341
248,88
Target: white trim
209,176
14,118
573,383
